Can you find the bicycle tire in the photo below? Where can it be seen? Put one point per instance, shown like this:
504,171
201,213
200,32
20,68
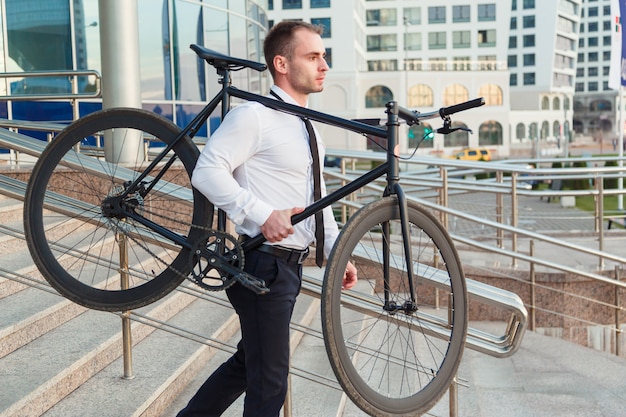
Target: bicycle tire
82,253
392,363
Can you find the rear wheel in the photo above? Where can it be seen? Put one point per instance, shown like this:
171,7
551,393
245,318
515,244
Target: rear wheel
87,252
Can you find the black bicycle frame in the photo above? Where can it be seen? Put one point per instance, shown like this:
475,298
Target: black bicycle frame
390,167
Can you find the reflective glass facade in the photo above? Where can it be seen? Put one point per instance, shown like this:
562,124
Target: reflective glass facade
50,35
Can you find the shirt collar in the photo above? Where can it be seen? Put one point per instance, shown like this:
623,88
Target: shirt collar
286,97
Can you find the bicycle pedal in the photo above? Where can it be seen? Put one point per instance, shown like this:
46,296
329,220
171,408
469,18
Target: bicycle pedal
254,284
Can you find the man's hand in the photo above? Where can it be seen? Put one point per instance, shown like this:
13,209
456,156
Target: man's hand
278,226
349,277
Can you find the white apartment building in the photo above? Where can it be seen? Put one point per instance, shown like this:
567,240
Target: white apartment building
426,54
596,111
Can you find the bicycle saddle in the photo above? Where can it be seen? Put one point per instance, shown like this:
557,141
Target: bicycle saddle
219,60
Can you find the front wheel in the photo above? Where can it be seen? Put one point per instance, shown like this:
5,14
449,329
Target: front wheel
392,355
89,253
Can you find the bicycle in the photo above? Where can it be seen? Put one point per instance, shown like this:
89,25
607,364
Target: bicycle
119,236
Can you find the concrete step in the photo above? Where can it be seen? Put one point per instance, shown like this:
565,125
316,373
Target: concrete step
10,209
69,355
162,365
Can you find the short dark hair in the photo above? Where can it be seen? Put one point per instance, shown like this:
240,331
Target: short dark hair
279,40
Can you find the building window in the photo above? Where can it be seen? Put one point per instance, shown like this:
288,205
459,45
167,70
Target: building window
437,14
528,22
512,42
323,22
455,94
520,131
490,133
513,24
387,42
437,40
486,38
329,57
581,57
412,15
556,103
545,103
486,12
592,27
529,78
606,55
378,96
382,17
593,71
580,72
318,4
592,57
461,39
529,4
270,4
458,138
606,40
592,86
592,12
382,65
412,41
606,25
420,95
529,40
461,63
580,87
292,4
492,94
420,135
513,80
512,61
606,70
529,60
460,14
593,41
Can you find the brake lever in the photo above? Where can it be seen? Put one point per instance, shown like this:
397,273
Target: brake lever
445,130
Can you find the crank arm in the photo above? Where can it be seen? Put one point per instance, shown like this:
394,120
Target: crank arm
252,283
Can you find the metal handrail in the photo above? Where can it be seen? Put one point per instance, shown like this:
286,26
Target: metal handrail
73,74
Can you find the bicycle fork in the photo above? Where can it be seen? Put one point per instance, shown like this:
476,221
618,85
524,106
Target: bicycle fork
394,188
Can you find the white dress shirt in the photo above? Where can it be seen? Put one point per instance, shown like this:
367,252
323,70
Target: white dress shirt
258,161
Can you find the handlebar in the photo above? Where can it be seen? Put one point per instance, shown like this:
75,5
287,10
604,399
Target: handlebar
412,116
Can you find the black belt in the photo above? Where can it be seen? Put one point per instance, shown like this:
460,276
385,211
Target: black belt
290,255
286,254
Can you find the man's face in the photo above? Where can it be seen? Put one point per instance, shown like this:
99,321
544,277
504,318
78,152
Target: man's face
307,69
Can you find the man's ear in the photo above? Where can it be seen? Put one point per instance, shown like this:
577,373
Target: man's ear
280,64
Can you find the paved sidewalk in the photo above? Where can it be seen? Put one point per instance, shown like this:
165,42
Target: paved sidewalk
547,376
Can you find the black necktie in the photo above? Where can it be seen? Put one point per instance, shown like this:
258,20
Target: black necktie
317,188
317,194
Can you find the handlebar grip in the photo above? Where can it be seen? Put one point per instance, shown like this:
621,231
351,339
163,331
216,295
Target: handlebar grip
445,111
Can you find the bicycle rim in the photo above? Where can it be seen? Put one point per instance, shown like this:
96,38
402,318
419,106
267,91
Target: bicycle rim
96,260
399,362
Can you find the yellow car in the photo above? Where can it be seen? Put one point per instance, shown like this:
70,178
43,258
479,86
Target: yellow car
473,154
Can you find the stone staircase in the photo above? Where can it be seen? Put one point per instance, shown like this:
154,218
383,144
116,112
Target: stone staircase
60,359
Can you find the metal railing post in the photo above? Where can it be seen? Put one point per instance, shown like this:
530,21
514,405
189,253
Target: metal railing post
618,321
600,219
499,208
127,342
531,325
514,215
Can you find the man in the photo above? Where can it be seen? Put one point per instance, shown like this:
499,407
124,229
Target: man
258,168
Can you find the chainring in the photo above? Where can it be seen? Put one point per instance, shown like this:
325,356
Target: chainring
203,273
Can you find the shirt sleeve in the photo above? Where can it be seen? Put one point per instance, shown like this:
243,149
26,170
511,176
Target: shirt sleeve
237,138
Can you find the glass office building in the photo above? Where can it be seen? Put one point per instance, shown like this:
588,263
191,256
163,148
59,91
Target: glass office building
54,35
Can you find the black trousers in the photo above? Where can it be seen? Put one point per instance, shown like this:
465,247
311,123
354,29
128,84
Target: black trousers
260,367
